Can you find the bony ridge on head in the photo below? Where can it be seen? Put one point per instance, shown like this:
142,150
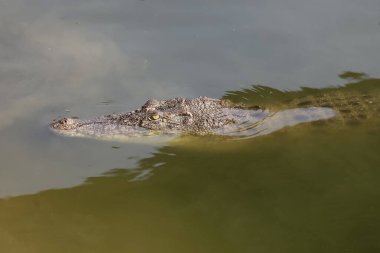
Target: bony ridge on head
65,124
151,104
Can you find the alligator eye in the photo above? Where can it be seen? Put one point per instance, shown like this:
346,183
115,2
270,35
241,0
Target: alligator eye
154,117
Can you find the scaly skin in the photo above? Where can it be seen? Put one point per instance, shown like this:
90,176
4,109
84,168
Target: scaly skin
197,116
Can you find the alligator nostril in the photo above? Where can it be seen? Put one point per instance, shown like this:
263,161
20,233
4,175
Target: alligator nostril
186,114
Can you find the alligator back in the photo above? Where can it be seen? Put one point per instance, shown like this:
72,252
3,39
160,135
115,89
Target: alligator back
353,103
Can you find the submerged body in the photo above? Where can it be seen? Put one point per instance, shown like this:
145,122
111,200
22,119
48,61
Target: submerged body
196,116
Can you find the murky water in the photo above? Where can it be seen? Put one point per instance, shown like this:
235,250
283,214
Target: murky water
312,187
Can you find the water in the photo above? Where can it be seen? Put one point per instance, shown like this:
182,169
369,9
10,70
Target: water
311,187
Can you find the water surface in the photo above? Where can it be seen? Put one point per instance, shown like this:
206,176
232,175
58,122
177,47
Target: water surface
312,187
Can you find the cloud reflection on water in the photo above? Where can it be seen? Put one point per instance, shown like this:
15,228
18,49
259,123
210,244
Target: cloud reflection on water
55,52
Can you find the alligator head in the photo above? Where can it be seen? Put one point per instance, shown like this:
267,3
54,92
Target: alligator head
197,116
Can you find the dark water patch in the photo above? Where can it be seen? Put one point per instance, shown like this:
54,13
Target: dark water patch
345,110
316,185
305,103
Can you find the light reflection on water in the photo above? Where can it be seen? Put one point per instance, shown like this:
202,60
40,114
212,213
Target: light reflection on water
268,122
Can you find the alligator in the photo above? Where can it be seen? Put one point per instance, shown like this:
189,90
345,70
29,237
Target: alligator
195,116
209,116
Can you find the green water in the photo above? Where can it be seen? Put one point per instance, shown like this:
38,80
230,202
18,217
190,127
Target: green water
313,187
309,188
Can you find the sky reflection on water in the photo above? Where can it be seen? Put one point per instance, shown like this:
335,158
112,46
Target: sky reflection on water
66,57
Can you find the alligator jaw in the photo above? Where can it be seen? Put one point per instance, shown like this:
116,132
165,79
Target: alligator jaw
102,127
